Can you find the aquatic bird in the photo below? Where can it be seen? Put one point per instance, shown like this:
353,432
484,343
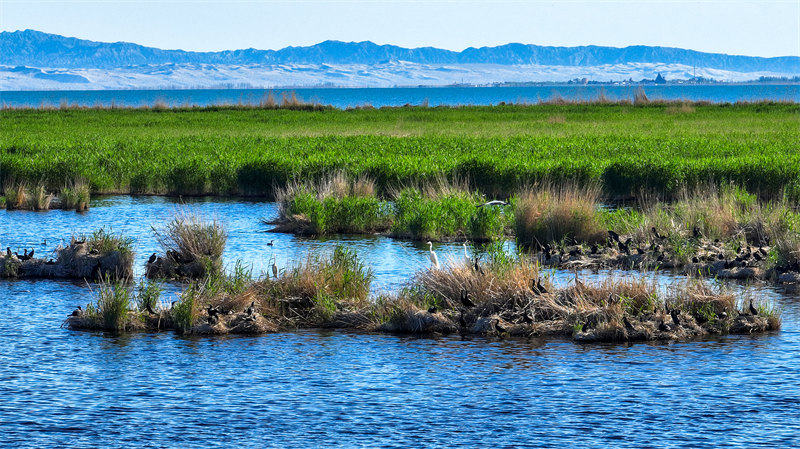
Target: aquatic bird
465,301
172,305
149,309
623,247
477,267
271,242
44,242
77,312
251,310
152,258
752,310
613,235
432,309
432,255
539,287
664,327
628,325
274,270
656,234
675,317
8,252
466,254
494,203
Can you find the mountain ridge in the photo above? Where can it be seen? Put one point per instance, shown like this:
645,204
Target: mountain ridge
39,49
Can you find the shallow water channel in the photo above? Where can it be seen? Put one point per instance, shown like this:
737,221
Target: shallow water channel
319,388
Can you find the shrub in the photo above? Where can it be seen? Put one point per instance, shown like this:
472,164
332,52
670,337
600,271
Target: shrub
548,214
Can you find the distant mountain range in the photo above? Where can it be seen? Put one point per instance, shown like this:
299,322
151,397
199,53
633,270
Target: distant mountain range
23,50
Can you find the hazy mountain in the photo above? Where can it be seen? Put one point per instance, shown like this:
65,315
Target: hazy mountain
38,49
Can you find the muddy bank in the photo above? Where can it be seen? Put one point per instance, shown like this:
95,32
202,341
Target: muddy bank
79,260
711,258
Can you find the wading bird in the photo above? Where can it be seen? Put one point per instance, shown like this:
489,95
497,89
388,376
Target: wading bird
432,255
466,254
274,270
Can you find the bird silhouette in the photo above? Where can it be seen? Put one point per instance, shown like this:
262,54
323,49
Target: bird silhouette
753,310
77,312
8,252
613,235
656,234
251,310
465,301
271,243
152,258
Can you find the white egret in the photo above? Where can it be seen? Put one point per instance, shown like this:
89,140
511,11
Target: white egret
434,259
467,259
494,203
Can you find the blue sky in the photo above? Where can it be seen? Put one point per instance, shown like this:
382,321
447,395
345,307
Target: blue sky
766,28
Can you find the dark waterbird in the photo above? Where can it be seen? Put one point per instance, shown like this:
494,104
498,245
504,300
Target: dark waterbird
613,235
675,317
753,311
623,247
8,252
656,234
77,312
251,309
465,301
152,258
271,243
477,267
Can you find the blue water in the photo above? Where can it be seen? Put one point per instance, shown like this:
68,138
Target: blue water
338,389
350,97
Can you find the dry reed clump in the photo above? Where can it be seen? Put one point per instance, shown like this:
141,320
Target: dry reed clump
192,248
727,214
552,214
40,199
684,107
16,195
75,196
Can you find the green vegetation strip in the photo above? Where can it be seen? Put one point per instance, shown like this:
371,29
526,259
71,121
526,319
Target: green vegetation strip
250,151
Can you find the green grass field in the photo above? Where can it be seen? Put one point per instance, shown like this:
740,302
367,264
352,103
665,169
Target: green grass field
249,151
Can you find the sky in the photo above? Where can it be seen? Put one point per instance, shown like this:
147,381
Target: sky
765,28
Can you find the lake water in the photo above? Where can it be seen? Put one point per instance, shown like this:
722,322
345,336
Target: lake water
345,97
338,389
